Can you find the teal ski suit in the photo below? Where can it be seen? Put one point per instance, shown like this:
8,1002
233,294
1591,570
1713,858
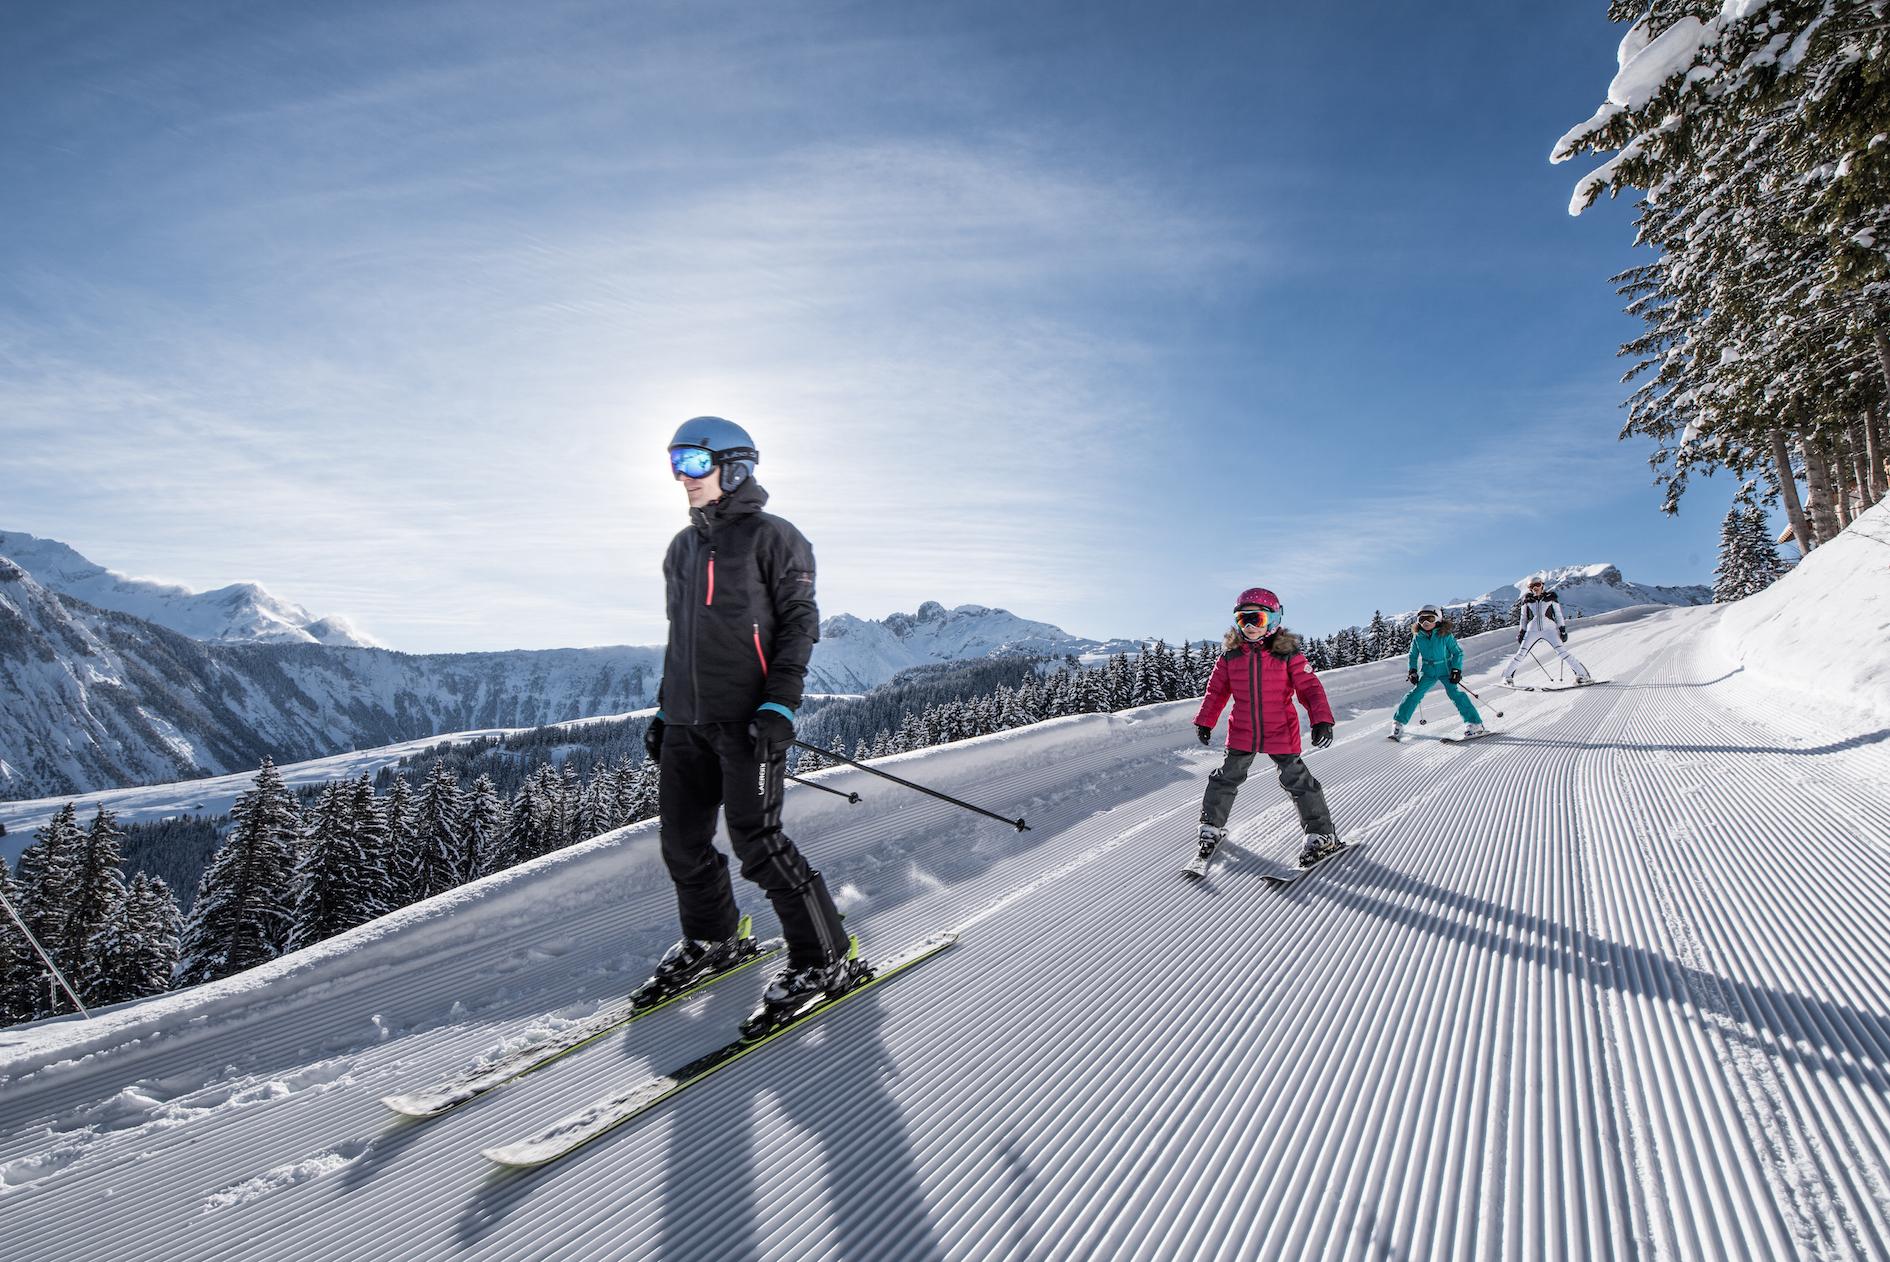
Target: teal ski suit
1434,654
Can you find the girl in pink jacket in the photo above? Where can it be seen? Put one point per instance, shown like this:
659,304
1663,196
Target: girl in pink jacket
1262,672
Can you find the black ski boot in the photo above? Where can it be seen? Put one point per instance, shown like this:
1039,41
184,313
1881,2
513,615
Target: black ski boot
693,959
1319,846
1210,838
794,990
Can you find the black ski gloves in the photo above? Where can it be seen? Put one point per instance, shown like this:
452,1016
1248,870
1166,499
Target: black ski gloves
653,739
1520,635
1205,733
1565,635
772,731
1456,676
1321,735
1412,676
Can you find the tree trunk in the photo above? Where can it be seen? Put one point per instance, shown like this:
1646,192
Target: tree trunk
1883,355
1861,473
1818,484
1873,454
1788,490
1840,482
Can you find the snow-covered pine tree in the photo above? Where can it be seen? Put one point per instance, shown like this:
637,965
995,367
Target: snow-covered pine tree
1471,620
135,953
1749,562
46,878
19,965
333,884
368,818
243,911
405,863
519,841
437,814
1756,132
483,825
97,893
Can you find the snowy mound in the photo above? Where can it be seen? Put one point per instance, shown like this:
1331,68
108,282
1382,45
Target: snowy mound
1825,627
242,613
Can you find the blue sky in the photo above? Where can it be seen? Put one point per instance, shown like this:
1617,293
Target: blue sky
1098,312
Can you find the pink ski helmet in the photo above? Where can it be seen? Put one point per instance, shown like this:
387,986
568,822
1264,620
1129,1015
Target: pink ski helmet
1258,598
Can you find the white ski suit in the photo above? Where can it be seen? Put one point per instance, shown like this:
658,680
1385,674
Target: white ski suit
1541,624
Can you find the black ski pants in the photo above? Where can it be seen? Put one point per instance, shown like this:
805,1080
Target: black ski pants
1225,780
710,765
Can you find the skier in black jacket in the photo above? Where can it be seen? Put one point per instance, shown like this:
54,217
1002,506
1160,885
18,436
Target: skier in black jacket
742,626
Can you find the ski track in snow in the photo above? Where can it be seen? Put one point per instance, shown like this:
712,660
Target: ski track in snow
1578,999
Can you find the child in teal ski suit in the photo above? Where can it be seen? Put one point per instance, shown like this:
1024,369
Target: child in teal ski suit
1435,658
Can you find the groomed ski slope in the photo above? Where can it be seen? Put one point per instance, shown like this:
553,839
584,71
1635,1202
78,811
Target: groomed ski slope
1614,985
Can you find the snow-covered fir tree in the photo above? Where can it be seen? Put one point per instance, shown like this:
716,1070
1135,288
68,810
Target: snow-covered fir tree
135,953
1756,132
481,827
19,965
46,876
368,818
405,861
97,893
437,815
244,906
1749,562
334,883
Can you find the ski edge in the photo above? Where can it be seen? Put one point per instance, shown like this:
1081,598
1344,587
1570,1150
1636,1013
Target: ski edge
452,1092
656,1089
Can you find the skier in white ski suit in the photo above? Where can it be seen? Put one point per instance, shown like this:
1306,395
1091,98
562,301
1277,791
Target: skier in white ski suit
1541,623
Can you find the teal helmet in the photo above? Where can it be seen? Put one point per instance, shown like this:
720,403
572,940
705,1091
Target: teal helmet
709,442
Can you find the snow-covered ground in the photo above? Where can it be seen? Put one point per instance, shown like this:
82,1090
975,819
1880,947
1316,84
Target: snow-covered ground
1582,994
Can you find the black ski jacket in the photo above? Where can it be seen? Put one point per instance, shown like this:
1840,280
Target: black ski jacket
742,617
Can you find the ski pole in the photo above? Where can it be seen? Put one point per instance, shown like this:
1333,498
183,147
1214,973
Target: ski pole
1420,712
1018,824
1539,666
1479,696
47,959
851,797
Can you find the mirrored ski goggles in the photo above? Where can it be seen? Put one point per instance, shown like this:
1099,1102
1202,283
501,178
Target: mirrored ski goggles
691,462
1265,619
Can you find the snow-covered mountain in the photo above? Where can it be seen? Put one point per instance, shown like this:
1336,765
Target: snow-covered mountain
855,654
92,699
242,613
96,699
1586,590
1575,997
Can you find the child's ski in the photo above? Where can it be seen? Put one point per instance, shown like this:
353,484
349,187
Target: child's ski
452,1092
572,1132
1465,740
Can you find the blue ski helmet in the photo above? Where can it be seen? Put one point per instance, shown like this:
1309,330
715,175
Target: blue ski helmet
728,446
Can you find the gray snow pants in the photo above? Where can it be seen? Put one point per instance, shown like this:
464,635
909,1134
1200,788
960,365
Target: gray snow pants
1224,783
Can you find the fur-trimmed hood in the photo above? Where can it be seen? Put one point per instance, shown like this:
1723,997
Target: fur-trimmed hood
1282,643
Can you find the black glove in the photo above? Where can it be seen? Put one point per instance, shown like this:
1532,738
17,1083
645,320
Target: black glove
1205,733
1456,676
1321,735
653,739
1520,635
1565,635
1412,676
771,731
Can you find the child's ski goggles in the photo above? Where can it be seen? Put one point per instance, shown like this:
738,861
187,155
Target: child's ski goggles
1265,619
